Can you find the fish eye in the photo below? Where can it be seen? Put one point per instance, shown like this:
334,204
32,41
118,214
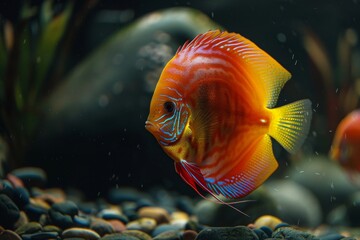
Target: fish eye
169,106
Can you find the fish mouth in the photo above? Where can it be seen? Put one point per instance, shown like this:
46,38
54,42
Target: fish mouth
149,126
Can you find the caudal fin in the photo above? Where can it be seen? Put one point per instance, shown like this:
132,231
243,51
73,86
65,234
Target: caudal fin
290,124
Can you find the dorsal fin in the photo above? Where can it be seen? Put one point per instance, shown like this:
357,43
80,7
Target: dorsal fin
267,70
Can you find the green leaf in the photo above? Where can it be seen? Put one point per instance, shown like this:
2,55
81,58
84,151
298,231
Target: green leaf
24,68
3,61
47,45
46,12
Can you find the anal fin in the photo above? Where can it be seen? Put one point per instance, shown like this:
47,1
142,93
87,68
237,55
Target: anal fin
249,174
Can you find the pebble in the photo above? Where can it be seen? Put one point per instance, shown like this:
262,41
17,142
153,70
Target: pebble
80,233
51,228
67,207
169,235
267,220
30,227
117,225
23,219
291,233
157,213
101,226
31,176
59,219
9,235
138,234
165,228
119,236
81,221
189,235
110,214
40,236
9,212
120,195
61,214
228,233
142,224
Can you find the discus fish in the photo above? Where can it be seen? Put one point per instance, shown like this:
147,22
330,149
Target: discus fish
345,148
213,113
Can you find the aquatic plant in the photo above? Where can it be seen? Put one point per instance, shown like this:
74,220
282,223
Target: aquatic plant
336,82
30,66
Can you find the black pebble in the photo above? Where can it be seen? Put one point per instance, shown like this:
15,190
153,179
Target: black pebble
229,233
9,212
67,207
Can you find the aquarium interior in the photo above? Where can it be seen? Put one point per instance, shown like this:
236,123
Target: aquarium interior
77,78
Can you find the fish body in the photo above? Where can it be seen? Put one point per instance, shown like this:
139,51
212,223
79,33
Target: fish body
345,148
213,113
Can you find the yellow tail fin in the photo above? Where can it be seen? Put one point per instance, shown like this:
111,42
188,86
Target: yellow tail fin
290,124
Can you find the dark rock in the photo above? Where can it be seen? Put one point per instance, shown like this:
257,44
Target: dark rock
21,197
353,209
331,180
66,208
9,212
34,211
292,234
267,230
81,221
169,235
60,220
195,226
6,188
31,176
61,214
101,226
31,227
119,236
166,228
40,236
261,234
281,225
294,203
333,236
110,214
185,204
214,214
120,195
9,235
189,235
228,233
80,232
144,202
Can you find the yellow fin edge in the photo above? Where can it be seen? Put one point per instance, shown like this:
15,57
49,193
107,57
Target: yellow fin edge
290,124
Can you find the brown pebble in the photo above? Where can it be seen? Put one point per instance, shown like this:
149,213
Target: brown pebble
268,221
9,235
80,233
15,181
142,224
117,225
189,235
39,202
159,214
